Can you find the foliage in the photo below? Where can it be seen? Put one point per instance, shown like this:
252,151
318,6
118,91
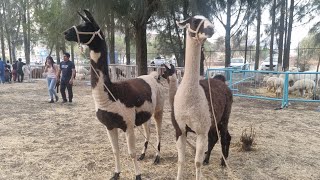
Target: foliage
306,53
53,18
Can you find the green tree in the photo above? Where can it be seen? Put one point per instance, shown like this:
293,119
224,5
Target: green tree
12,22
139,12
232,9
2,31
53,19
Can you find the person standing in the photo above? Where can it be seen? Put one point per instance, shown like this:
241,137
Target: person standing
2,65
19,70
67,69
9,69
14,70
51,69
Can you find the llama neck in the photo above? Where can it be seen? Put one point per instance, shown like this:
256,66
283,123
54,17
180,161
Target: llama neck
98,56
192,62
173,86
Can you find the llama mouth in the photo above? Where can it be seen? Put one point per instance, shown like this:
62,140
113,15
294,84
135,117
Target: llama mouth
68,37
209,32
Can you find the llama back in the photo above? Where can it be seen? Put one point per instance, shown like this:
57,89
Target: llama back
221,97
156,87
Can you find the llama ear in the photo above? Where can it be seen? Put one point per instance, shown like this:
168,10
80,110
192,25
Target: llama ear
89,16
83,17
183,24
167,68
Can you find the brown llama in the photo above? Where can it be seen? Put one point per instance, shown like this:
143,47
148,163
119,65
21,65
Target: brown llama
120,105
192,102
170,75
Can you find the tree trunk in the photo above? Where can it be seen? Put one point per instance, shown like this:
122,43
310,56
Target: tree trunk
3,53
257,57
13,51
112,49
287,53
227,38
127,41
185,16
25,26
202,58
58,53
141,47
285,33
179,54
272,34
281,34
246,45
10,47
72,52
8,35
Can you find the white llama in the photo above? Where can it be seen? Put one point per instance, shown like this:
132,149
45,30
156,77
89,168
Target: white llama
121,105
192,102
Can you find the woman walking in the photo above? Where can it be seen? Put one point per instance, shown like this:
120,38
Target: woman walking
51,69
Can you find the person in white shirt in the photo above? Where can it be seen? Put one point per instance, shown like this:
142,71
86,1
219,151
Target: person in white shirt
51,69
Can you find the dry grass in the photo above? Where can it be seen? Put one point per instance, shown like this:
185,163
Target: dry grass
55,141
247,139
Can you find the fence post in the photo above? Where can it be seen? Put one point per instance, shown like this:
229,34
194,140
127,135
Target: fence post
207,74
230,77
285,97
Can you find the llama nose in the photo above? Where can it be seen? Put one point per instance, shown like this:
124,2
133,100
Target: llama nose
211,30
65,33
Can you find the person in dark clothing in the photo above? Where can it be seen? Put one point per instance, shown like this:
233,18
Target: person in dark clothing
19,70
9,71
68,71
2,66
14,70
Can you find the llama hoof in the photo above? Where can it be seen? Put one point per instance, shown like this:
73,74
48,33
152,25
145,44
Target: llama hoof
116,176
223,164
141,157
206,162
138,177
157,160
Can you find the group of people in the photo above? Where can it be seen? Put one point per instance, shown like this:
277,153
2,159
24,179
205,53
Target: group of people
62,75
53,72
10,72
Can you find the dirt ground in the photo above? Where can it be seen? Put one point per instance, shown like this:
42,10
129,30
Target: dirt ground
58,141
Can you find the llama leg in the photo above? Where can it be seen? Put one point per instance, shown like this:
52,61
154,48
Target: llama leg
113,137
301,92
131,142
225,143
181,147
202,141
146,129
212,140
158,119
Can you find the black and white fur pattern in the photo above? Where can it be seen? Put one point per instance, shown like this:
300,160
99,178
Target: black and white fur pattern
129,103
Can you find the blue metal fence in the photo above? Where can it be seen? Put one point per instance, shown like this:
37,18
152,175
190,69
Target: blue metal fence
252,84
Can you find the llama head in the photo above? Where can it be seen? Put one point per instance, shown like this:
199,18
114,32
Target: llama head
85,32
198,27
168,71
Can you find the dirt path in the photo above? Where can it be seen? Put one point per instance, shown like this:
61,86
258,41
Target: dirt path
54,141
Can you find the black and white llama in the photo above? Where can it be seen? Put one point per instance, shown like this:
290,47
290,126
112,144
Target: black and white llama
122,105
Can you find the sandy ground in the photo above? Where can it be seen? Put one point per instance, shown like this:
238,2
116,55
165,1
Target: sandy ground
65,141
